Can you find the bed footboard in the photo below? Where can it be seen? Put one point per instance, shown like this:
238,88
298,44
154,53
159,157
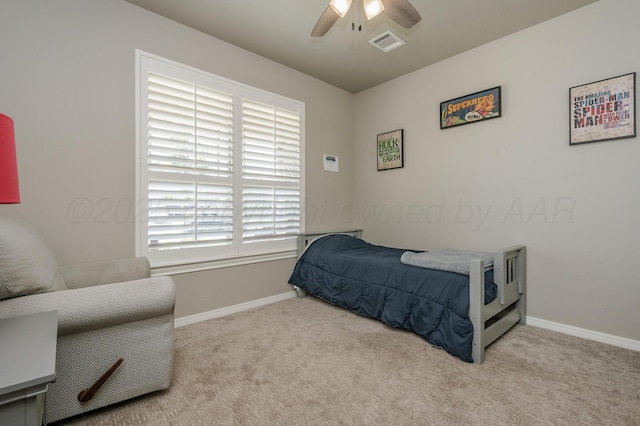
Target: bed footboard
508,308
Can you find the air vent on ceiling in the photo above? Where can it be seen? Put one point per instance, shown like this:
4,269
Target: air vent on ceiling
387,41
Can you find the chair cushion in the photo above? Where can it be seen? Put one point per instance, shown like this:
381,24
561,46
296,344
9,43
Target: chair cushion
27,264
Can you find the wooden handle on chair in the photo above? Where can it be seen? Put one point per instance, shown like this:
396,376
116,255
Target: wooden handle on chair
86,394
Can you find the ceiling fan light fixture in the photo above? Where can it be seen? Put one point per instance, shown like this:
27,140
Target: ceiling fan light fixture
341,6
372,8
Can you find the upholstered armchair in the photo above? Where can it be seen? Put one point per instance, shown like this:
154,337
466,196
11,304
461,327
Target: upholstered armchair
107,311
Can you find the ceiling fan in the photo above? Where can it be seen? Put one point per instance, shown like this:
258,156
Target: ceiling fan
400,11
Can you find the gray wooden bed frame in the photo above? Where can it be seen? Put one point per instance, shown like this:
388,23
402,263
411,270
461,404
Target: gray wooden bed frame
492,320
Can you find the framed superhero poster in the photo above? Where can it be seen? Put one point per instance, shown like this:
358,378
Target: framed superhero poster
479,106
390,150
603,110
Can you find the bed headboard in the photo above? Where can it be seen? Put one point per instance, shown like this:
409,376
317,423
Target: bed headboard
305,239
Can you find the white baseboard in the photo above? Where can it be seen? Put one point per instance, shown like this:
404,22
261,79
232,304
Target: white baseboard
216,313
536,322
586,334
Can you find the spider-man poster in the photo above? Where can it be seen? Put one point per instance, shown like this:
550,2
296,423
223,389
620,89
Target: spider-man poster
603,110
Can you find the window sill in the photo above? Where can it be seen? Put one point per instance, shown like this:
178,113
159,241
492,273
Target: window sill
186,268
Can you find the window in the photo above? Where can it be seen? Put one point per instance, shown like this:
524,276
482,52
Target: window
219,167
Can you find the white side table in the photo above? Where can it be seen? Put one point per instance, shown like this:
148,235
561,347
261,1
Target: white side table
27,366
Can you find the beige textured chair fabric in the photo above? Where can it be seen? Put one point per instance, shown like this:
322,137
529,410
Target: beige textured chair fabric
106,311
101,306
147,349
27,265
97,273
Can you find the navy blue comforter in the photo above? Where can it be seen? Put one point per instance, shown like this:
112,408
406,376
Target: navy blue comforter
370,280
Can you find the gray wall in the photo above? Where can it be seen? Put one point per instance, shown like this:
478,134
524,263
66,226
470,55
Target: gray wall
515,179
68,79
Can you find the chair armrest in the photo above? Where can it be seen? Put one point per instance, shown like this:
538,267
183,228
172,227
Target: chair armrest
107,272
100,306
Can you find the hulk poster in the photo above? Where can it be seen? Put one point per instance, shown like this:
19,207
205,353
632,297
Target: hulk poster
389,147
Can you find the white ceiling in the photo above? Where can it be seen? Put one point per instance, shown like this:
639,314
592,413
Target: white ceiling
280,30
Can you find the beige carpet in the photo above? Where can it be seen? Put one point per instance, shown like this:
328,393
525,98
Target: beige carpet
305,362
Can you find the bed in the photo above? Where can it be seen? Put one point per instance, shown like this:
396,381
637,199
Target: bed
459,313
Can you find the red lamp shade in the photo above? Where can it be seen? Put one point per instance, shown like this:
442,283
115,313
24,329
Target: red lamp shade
9,190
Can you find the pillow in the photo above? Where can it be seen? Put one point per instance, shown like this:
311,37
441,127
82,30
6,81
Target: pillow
458,261
27,265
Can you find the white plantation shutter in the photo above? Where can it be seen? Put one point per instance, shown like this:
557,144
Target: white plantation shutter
220,166
270,172
269,213
190,163
186,214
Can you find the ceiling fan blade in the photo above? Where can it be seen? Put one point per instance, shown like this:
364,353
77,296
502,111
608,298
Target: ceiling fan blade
325,22
401,12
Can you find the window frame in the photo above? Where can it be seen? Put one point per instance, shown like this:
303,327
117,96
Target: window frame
190,260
